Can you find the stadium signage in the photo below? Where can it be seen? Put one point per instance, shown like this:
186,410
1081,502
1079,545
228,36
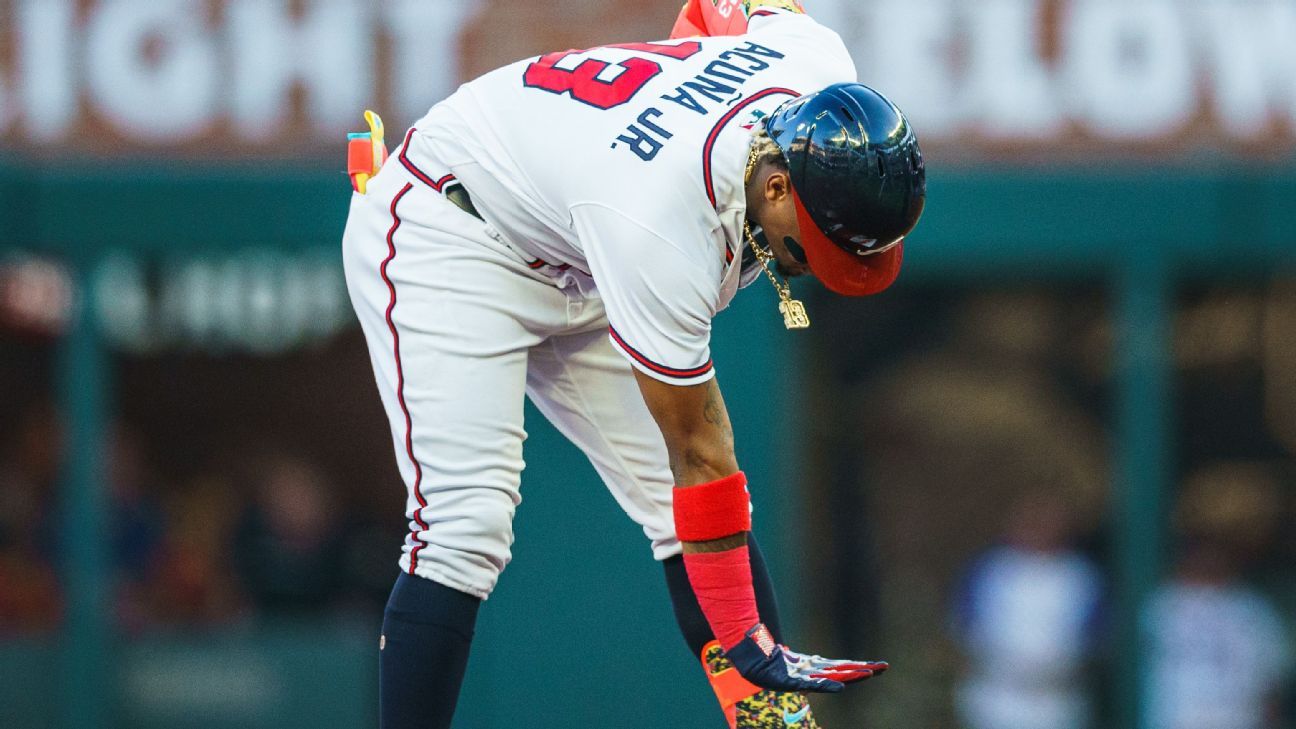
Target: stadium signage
1172,77
995,77
249,74
255,301
258,301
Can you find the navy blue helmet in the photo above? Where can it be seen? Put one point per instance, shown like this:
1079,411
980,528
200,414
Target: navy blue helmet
858,182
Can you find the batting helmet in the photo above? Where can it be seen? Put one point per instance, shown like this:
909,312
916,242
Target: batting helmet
858,183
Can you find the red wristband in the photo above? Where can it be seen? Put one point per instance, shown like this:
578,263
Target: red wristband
712,510
722,582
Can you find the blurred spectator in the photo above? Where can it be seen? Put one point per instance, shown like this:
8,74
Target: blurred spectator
35,296
136,525
288,549
29,594
1026,617
368,567
931,439
1219,650
193,583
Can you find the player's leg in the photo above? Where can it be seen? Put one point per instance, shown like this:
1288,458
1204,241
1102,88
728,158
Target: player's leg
448,320
427,631
587,390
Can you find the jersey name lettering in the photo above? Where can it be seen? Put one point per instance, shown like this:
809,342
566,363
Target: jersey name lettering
717,87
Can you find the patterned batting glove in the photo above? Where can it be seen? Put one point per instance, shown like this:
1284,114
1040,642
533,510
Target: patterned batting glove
772,666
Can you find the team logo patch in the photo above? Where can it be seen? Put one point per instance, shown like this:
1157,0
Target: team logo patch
753,119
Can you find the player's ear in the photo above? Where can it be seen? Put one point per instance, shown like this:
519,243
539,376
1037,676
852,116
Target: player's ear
778,186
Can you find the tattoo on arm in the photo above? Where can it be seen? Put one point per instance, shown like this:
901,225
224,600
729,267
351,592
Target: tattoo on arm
685,461
715,413
695,425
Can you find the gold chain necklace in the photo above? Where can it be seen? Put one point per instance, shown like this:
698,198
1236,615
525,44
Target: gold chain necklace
793,311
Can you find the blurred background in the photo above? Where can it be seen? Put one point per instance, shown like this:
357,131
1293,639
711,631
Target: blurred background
1050,475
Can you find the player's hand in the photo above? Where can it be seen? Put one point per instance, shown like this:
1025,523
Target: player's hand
772,666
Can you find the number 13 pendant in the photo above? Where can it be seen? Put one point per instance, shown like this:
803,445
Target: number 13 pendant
794,314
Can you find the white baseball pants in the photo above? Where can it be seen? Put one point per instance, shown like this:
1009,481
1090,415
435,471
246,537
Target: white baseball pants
459,327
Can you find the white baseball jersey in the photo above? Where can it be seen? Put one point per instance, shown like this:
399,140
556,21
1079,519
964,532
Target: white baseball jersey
622,168
610,187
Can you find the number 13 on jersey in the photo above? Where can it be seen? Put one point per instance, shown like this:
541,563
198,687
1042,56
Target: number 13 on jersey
582,81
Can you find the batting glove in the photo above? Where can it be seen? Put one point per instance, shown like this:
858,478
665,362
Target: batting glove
772,666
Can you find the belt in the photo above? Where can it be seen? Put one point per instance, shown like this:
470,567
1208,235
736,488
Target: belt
456,194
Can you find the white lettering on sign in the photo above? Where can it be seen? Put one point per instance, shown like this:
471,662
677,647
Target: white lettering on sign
1039,74
258,301
46,86
907,49
160,72
329,52
1128,72
1251,48
152,67
1130,67
1010,88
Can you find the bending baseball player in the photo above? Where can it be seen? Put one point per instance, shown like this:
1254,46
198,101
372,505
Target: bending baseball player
565,228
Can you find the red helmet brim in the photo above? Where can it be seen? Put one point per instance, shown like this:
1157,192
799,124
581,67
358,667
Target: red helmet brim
843,272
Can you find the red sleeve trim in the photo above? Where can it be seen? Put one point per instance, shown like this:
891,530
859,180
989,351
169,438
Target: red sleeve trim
660,369
762,13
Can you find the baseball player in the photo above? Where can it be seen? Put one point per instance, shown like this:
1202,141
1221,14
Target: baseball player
565,228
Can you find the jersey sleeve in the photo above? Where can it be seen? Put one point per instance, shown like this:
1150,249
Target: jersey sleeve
659,299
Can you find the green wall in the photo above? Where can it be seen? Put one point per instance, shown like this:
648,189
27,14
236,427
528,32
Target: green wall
580,632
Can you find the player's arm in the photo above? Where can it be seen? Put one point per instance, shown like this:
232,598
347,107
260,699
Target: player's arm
660,301
699,440
712,518
695,424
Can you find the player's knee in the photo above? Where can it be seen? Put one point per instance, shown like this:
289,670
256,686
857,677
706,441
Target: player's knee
487,514
469,545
